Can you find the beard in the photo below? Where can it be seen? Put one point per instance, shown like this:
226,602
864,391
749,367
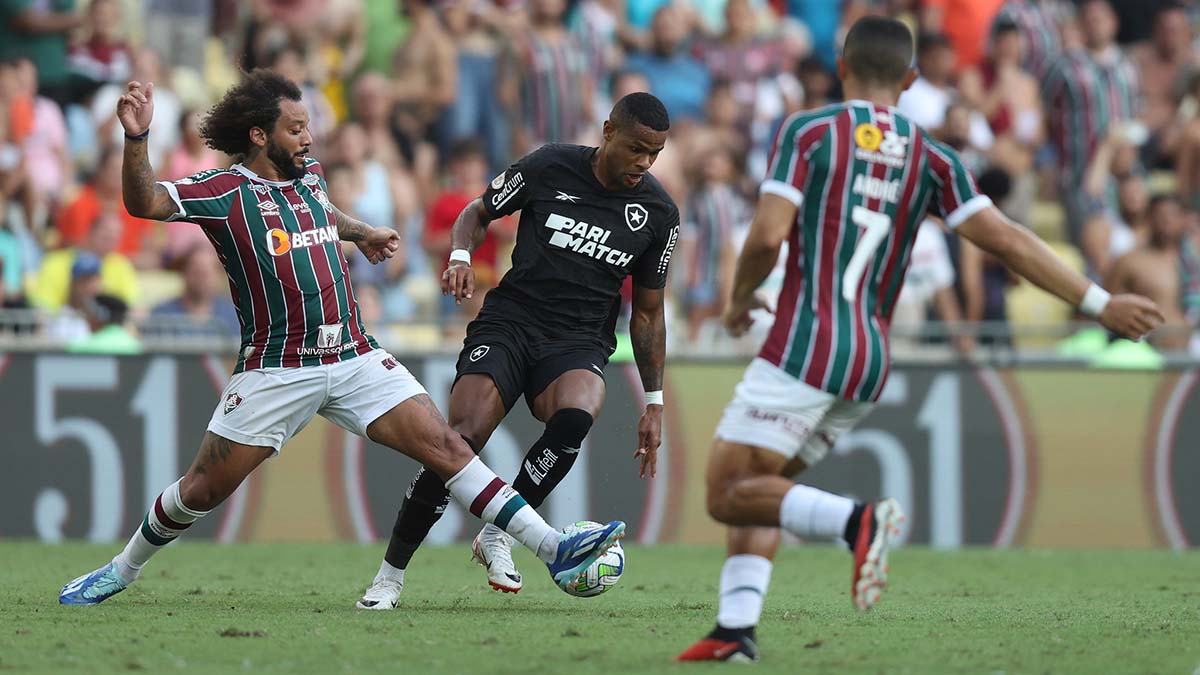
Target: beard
284,161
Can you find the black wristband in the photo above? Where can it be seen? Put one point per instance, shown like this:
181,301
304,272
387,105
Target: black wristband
140,137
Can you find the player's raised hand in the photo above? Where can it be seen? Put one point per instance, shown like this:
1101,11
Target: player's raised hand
135,108
1131,316
737,317
380,244
649,438
458,280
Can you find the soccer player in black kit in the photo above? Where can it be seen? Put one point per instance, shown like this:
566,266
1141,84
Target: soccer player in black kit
589,218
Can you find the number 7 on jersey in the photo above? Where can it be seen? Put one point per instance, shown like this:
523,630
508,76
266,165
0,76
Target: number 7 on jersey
876,226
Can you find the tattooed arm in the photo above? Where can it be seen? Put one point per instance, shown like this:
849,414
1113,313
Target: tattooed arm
648,332
376,243
350,229
143,197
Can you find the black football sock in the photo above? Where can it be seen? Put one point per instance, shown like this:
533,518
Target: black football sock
423,506
852,526
553,455
732,634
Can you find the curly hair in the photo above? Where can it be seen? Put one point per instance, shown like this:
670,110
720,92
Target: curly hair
252,103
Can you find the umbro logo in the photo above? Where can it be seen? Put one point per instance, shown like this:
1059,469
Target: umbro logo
564,197
479,352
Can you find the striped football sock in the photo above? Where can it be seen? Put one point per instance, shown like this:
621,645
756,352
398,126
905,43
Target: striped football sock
744,582
491,499
165,521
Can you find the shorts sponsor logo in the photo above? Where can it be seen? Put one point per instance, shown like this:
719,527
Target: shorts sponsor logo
788,423
329,335
232,401
585,239
479,352
507,190
636,216
280,241
389,363
327,351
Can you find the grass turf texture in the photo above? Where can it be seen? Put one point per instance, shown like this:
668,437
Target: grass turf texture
289,608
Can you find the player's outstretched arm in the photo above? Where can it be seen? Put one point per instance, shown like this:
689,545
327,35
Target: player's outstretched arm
467,234
648,333
1131,316
773,219
143,197
376,243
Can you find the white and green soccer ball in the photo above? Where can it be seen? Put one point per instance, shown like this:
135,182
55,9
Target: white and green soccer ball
603,574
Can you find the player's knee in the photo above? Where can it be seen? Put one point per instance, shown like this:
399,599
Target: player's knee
570,425
449,454
198,492
718,502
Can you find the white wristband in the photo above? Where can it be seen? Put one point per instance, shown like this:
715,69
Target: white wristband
460,255
1094,301
654,397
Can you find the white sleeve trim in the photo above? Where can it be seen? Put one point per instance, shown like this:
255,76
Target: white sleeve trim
171,190
782,189
971,207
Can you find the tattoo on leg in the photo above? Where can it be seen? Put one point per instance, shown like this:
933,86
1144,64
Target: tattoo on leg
430,409
213,451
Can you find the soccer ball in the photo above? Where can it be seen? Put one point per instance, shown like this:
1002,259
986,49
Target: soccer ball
603,574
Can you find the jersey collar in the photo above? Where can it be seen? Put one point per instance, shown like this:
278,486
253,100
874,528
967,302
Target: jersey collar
240,168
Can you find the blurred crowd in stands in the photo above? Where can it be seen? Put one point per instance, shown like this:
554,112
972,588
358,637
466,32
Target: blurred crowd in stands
1081,119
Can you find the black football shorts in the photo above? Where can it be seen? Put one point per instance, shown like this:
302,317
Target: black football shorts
522,359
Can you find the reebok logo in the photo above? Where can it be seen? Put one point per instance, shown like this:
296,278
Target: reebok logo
564,197
585,239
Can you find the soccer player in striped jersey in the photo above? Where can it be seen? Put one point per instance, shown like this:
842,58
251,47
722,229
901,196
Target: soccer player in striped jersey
304,348
848,186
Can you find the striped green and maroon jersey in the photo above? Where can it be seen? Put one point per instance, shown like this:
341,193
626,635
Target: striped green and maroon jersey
863,177
279,244
1084,95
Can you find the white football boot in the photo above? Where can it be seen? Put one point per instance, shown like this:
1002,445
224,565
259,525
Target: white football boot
492,548
383,594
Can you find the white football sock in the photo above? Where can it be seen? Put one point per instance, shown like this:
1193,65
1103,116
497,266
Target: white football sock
809,512
386,571
489,498
744,581
164,522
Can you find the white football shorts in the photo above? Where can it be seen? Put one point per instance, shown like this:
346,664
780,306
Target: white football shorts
773,410
268,406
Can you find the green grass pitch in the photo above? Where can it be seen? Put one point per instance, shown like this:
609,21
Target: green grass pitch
268,608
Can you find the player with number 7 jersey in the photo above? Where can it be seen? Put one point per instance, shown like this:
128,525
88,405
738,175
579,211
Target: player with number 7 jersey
848,186
863,177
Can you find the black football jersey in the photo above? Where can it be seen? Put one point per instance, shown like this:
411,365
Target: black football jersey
577,241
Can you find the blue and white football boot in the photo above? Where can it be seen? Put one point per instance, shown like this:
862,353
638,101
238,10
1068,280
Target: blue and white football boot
577,552
94,587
